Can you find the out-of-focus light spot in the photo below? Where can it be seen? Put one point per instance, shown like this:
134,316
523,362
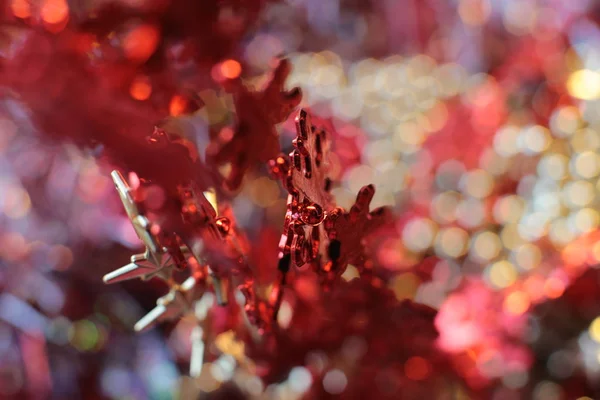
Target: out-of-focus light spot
444,205
487,245
425,93
574,254
57,331
516,303
519,17
55,11
560,232
533,225
547,390
357,177
328,81
408,133
502,274
84,335
587,164
554,288
535,139
565,121
421,65
579,193
379,153
417,368
505,141
13,246
493,162
21,8
595,329
584,84
470,212
335,381
418,234
553,166
17,202
140,88
561,364
477,183
300,379
140,43
432,294
226,134
284,316
178,105
586,220
347,105
452,242
534,286
586,139
405,285
515,378
528,256
511,238
61,257
230,69
508,209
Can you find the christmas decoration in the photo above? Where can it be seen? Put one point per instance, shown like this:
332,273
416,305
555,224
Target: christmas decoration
323,199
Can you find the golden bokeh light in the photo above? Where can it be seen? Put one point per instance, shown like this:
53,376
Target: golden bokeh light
478,183
516,303
452,242
584,84
528,256
418,234
594,329
487,245
502,274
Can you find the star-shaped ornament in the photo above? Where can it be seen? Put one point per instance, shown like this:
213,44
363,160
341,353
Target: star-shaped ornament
177,302
308,174
146,266
347,230
255,138
308,185
157,260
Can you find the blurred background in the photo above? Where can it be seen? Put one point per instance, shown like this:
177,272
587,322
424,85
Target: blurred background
477,120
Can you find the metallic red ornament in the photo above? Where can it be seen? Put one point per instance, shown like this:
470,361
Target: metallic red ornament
255,138
347,231
307,178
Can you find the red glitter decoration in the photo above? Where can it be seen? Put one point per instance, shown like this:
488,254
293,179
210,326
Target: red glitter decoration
347,230
353,327
135,67
257,113
305,178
